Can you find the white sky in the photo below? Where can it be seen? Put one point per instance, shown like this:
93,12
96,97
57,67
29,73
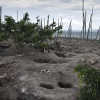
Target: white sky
67,9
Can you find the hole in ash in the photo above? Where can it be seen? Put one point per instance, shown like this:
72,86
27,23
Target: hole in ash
64,85
47,86
42,60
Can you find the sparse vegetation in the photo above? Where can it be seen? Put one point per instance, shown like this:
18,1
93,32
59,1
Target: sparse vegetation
25,32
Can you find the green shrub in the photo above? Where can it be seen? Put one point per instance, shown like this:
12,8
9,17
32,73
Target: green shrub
43,34
41,46
3,36
89,82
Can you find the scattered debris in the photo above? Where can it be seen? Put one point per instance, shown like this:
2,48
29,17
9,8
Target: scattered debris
46,71
20,55
24,90
83,60
93,61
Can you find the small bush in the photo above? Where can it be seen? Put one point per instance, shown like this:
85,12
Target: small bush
3,36
89,82
41,46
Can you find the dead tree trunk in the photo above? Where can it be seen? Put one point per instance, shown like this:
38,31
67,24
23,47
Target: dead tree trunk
85,24
70,30
83,18
97,35
91,22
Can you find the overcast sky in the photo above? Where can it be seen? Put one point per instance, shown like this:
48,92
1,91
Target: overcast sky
67,9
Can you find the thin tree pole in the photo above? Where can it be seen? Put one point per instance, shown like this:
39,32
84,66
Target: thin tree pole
48,21
41,23
17,15
85,24
57,35
83,16
61,35
70,29
58,30
81,34
44,22
53,23
91,22
61,21
0,14
70,33
97,34
89,27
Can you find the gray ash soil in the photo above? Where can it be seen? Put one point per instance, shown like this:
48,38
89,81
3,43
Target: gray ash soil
45,76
